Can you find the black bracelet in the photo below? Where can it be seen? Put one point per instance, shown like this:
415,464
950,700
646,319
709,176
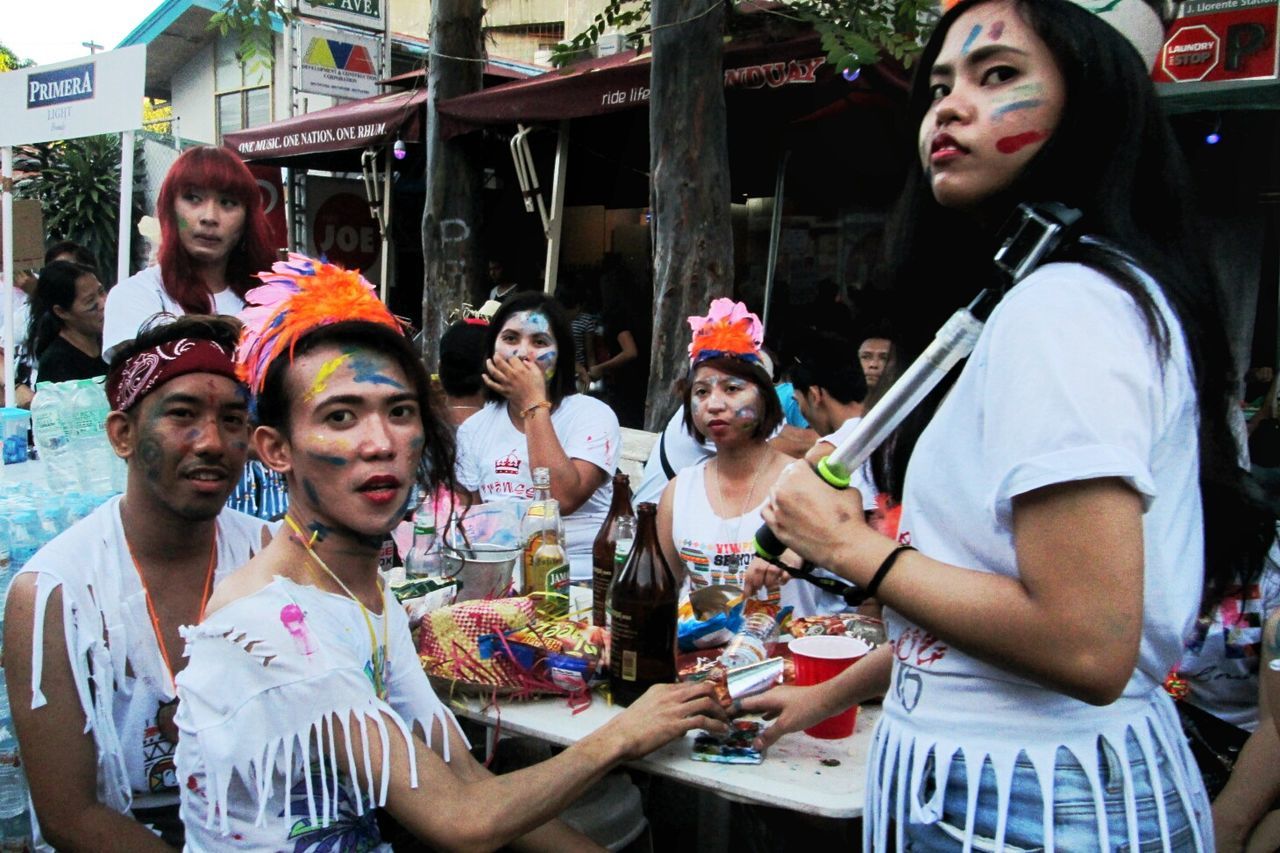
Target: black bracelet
883,571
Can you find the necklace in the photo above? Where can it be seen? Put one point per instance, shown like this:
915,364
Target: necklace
746,504
151,608
377,651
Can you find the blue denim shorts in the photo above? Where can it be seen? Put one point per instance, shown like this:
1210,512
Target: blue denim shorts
1074,814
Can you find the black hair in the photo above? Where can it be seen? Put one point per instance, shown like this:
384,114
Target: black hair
560,385
223,331
79,254
830,362
1114,158
753,373
272,404
55,287
462,358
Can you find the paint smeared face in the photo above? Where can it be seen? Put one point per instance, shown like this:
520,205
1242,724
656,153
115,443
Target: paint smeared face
724,407
86,313
527,336
997,98
192,440
209,223
355,438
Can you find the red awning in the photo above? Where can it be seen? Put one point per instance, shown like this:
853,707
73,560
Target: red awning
337,130
753,66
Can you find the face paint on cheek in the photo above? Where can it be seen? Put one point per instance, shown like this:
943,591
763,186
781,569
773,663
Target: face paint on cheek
547,361
1000,112
747,417
239,446
972,37
337,461
416,444
151,456
1014,144
312,495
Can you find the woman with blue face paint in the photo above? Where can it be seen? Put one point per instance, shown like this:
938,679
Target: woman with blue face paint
1073,489
535,419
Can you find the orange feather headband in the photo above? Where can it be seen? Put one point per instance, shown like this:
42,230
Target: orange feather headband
729,329
296,297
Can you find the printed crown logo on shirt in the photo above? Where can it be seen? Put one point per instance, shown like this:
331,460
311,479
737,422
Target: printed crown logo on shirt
509,464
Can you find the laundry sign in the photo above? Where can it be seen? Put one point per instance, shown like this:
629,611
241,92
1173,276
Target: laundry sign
80,97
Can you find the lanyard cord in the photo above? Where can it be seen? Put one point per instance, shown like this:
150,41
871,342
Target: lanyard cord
151,608
376,660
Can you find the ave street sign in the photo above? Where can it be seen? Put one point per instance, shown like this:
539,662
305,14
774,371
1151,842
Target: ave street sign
365,14
94,94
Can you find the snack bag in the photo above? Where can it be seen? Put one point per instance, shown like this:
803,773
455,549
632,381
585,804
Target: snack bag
571,655
709,617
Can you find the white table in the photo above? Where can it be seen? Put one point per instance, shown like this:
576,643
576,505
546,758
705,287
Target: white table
791,777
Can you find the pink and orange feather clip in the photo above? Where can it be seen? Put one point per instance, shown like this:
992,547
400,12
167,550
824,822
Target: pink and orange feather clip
295,297
729,329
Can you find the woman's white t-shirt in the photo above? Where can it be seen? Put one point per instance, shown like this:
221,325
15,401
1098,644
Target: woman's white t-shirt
134,301
1065,385
493,460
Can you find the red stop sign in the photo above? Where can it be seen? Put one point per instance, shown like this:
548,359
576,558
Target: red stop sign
1191,53
345,233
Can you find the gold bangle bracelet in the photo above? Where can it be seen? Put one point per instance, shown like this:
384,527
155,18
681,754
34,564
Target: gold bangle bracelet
542,405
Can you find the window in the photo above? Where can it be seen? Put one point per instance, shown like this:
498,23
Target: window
243,95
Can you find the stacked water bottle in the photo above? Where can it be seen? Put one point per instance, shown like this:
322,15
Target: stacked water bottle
69,423
81,472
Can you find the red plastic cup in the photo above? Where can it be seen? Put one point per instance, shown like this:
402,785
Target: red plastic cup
819,659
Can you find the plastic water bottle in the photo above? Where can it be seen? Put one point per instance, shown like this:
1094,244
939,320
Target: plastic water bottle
88,434
53,441
423,559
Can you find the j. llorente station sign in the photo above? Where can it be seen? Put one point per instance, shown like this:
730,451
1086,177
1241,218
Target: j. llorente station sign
81,97
366,14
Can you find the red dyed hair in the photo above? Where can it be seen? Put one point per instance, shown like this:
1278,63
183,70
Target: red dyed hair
217,169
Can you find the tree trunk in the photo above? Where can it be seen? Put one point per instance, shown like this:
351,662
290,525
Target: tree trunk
689,163
451,216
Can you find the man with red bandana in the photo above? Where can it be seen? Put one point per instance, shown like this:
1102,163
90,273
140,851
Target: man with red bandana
91,627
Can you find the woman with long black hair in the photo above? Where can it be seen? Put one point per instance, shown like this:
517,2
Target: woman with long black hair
1076,486
65,336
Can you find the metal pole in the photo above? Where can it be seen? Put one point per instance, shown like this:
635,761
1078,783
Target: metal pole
385,272
775,233
126,205
557,208
6,210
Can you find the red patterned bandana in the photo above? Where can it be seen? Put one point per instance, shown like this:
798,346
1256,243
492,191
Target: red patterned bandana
149,369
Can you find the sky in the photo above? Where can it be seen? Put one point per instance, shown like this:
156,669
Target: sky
52,31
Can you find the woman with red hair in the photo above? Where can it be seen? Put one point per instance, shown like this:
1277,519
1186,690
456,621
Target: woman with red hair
213,238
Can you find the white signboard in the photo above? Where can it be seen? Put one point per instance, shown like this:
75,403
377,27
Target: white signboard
366,14
338,63
95,94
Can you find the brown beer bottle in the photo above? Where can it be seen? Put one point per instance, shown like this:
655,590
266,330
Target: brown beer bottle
642,610
604,549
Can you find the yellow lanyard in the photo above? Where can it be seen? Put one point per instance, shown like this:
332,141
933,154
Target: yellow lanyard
377,652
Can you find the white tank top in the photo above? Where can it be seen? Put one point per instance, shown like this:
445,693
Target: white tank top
717,550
